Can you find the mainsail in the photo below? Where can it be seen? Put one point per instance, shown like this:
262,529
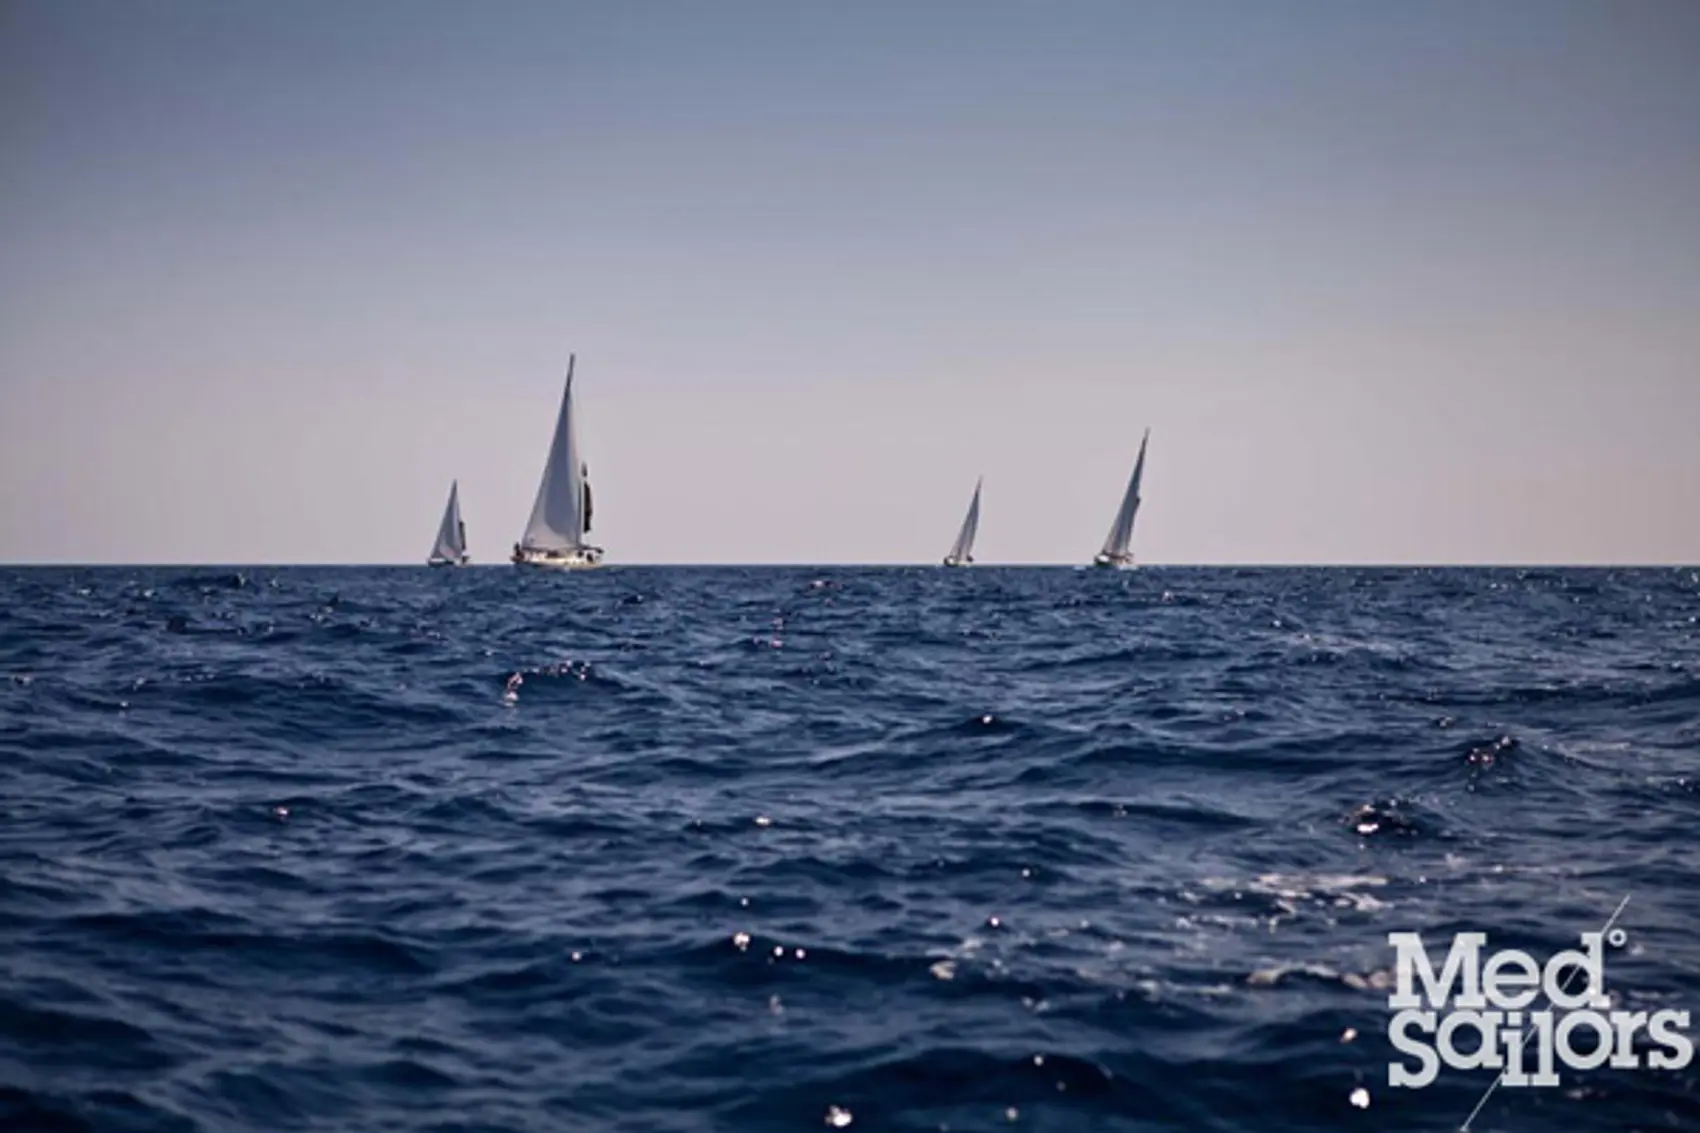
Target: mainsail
560,516
1121,531
451,533
962,550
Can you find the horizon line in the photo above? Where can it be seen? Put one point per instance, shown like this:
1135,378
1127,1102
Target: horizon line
212,564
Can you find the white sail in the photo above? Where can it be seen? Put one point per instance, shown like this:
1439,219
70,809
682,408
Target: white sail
962,551
451,533
1121,531
558,517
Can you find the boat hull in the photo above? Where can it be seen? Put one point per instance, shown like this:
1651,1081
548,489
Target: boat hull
587,558
953,561
1114,562
464,560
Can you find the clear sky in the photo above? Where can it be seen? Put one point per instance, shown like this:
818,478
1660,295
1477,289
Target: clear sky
1389,282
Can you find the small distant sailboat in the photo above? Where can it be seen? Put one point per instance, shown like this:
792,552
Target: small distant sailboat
450,548
1115,552
962,551
560,518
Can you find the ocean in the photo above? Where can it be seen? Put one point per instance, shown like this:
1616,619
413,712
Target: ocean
695,849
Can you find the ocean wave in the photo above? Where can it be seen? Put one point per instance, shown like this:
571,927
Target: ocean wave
660,849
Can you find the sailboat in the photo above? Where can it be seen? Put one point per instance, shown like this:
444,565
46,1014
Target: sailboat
1115,552
450,547
560,518
962,551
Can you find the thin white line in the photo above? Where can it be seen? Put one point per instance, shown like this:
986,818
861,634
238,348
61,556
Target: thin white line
1465,1128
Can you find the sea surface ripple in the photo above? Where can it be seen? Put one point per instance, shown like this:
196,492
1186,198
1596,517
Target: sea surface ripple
660,849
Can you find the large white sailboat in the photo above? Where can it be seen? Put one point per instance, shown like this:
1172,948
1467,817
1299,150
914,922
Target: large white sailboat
450,547
962,551
1115,552
560,519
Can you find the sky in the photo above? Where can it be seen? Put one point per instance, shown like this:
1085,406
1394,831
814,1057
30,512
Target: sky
1388,282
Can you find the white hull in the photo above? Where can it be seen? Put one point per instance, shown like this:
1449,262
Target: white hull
1114,562
441,562
953,561
586,558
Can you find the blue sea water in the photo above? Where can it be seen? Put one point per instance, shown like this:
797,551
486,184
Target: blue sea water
662,849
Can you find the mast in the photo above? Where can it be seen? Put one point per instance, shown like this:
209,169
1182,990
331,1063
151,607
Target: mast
558,516
1121,531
